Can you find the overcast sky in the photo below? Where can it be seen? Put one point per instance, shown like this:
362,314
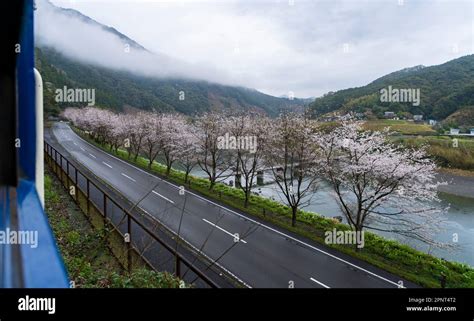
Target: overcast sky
307,47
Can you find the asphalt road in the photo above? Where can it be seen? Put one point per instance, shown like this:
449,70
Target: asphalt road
260,255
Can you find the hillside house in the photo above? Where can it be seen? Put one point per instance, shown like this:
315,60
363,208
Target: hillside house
418,118
389,114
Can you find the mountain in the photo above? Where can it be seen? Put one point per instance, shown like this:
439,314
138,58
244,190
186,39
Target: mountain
463,118
74,14
444,89
120,89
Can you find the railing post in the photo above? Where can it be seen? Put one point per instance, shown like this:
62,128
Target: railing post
68,184
55,165
53,157
61,167
105,207
56,162
129,244
75,176
177,266
87,199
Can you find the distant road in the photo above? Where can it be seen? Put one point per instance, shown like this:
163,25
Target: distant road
264,256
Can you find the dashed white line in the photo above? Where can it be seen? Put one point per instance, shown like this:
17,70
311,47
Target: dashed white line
320,283
92,155
74,143
128,177
163,197
249,219
82,149
106,164
225,231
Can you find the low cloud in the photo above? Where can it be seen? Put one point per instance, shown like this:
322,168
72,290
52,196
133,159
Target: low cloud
306,47
88,42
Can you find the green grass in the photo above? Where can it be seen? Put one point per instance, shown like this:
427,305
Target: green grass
392,256
402,127
88,260
441,148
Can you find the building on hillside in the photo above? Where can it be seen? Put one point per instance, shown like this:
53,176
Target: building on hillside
454,131
432,122
472,132
389,114
418,118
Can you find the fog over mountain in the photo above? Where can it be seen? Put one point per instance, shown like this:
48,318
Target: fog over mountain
82,38
275,46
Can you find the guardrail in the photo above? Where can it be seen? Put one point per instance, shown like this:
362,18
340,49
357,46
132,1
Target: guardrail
145,237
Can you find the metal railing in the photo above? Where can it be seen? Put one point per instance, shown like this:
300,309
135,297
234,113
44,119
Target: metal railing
146,239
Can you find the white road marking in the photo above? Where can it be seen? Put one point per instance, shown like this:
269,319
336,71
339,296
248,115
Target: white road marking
163,197
320,283
106,164
154,218
128,177
249,219
220,228
144,210
82,149
92,155
74,143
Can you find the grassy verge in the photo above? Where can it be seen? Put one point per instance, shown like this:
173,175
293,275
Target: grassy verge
88,260
400,126
457,171
442,149
392,256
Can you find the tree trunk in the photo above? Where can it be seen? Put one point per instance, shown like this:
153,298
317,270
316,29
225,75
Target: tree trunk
293,216
247,196
358,230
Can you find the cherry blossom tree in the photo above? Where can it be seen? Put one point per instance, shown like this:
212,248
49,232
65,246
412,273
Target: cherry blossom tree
118,132
172,143
136,133
99,122
212,159
249,159
189,146
294,158
380,185
72,114
152,126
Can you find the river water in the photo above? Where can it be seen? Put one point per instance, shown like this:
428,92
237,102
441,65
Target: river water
459,220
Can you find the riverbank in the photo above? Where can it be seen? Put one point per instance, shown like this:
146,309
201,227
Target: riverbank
392,256
460,182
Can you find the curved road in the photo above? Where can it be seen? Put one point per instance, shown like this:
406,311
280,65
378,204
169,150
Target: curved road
257,253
